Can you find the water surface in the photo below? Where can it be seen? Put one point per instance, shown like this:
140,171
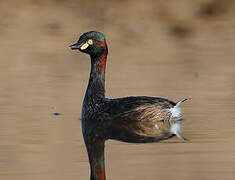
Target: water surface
156,49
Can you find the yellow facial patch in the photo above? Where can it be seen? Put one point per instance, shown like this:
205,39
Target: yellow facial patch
84,46
90,42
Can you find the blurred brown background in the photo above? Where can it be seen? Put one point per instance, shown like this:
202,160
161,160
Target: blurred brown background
174,49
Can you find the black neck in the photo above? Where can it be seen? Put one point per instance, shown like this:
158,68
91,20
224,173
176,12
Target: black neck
96,85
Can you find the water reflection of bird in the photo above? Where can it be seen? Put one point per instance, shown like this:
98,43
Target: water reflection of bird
138,119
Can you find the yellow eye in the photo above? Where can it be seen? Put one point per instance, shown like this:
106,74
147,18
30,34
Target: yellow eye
90,42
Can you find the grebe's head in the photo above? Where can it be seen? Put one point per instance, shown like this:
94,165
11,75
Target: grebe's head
92,43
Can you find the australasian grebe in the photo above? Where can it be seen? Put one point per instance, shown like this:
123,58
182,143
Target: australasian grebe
138,119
